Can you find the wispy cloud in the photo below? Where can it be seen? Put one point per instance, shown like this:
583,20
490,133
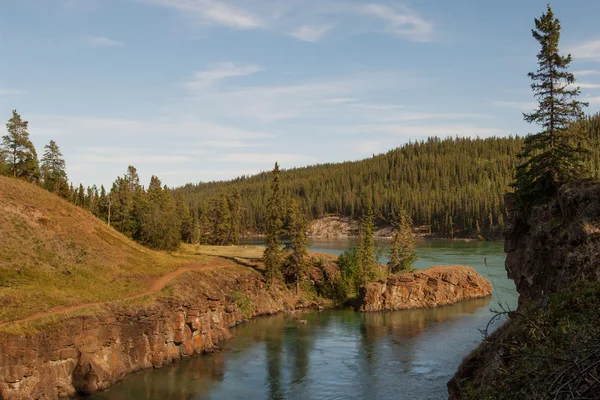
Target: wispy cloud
587,85
308,20
311,33
432,116
587,72
586,50
402,21
10,92
340,100
218,72
521,105
272,103
213,12
462,130
267,158
100,41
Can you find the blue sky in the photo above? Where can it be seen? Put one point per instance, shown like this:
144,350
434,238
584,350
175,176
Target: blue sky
197,90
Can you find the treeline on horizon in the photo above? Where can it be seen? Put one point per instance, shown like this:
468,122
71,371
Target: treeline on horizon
455,186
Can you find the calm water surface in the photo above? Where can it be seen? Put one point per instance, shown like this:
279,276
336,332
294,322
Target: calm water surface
340,354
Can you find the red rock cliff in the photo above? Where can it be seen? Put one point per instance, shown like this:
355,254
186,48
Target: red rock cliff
435,286
88,354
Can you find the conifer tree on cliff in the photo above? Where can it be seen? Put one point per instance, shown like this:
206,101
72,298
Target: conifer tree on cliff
273,225
555,154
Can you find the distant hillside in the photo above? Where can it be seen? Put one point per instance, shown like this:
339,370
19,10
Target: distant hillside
454,185
53,253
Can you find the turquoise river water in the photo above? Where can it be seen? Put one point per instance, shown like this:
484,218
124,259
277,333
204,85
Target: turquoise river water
340,354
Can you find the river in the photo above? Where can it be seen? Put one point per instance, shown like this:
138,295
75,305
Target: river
341,354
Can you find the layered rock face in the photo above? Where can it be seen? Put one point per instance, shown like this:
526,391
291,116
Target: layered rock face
87,354
548,251
557,245
435,286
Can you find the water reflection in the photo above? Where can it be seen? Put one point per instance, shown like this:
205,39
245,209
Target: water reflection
339,354
336,354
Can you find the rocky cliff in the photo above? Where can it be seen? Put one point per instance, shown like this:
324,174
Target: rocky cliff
85,354
433,287
553,255
556,245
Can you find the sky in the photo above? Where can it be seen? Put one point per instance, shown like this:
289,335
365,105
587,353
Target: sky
201,90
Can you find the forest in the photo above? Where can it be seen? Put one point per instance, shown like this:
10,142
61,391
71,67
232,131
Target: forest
453,186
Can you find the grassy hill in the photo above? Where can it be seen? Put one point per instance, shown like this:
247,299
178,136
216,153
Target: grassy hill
53,253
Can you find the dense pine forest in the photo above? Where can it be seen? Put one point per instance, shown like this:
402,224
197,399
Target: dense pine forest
454,187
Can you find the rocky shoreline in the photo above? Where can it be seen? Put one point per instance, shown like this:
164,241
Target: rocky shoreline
433,287
86,354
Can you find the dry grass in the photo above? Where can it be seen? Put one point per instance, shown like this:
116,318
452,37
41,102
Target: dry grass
248,252
55,254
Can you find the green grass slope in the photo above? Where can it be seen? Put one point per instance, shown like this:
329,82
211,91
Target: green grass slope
55,254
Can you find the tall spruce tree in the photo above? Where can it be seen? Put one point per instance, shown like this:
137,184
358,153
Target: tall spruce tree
366,248
402,254
298,243
235,210
555,154
220,220
53,168
273,224
19,153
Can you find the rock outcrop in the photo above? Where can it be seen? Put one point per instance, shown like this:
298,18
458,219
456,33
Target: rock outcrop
87,354
435,286
557,245
549,251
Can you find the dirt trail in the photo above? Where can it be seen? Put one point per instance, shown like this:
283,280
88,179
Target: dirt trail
156,287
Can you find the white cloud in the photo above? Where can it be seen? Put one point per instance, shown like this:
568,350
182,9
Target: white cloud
308,20
10,92
272,103
462,130
587,50
340,100
311,33
587,72
119,130
267,158
587,85
100,41
402,21
377,106
213,12
521,105
592,100
431,116
368,147
220,71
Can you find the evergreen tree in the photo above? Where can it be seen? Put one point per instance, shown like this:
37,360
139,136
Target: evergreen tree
53,168
296,260
366,248
235,212
186,220
160,226
20,156
80,197
273,224
555,154
402,254
220,220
